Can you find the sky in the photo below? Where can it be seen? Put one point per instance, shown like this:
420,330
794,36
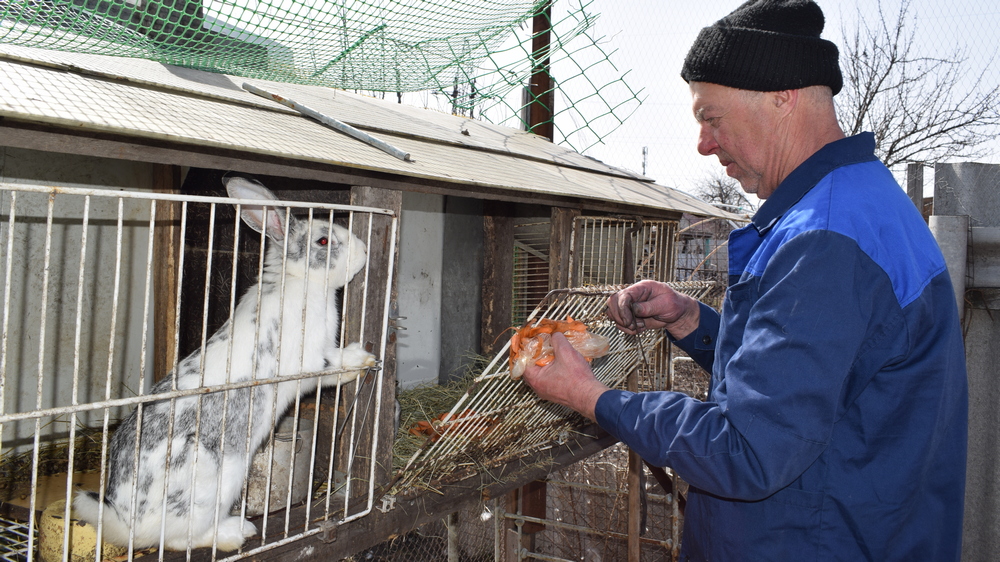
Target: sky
650,38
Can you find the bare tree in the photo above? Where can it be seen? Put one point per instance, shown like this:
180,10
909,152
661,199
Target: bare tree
921,108
724,190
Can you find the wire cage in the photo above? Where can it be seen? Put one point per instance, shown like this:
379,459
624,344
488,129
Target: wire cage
135,345
498,420
600,250
531,268
598,255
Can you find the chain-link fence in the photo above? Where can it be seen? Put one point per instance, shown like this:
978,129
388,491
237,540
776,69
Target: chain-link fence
464,536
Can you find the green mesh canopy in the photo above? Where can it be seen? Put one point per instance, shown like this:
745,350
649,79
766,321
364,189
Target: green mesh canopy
475,53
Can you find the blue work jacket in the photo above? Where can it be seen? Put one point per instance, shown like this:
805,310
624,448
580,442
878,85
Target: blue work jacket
835,427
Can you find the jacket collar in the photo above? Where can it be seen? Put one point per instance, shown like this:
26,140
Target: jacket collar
851,150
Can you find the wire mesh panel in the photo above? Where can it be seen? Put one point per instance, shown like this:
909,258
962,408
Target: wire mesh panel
468,535
500,420
599,249
586,515
531,268
14,540
154,415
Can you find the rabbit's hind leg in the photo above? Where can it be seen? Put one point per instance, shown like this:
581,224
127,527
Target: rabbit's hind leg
233,531
230,535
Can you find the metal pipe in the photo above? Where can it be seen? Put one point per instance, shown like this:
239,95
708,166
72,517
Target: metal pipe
952,235
330,121
453,548
984,257
583,529
182,198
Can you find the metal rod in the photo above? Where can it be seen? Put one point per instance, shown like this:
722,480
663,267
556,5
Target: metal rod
162,396
582,529
183,198
41,366
330,121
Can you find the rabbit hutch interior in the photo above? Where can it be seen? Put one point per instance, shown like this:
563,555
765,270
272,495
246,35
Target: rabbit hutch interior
211,303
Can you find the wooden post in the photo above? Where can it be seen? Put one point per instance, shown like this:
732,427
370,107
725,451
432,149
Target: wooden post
561,255
915,184
635,483
528,500
541,111
371,300
498,274
634,489
167,249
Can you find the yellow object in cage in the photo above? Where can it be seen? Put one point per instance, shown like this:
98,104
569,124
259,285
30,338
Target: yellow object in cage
82,537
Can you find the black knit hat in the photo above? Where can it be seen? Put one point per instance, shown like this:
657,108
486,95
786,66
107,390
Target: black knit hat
766,46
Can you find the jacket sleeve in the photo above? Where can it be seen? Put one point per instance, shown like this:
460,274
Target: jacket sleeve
797,328
700,344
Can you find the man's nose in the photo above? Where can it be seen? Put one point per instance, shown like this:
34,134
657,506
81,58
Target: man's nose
706,141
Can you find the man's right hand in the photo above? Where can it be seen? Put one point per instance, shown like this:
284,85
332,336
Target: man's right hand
651,305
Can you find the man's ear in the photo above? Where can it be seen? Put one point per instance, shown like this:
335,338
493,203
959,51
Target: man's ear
785,100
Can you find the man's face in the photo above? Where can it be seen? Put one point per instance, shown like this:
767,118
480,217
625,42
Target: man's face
736,126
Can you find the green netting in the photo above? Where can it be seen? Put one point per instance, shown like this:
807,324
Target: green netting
476,55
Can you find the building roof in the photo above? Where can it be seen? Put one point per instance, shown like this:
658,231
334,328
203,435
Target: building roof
200,110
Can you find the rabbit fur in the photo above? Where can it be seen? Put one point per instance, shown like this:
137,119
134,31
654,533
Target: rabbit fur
208,468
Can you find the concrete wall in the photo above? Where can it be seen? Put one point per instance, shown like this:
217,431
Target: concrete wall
462,279
418,347
25,310
973,190
440,279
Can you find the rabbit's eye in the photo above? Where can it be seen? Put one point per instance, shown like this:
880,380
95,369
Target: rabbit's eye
323,241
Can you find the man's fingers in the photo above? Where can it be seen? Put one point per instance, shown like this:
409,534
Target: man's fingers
560,343
623,310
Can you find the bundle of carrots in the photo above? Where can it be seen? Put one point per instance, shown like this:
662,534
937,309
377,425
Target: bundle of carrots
471,428
533,343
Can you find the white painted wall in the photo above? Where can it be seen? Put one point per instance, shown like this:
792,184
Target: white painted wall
65,305
418,351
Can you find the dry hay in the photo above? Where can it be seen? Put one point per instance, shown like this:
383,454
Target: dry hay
424,403
53,458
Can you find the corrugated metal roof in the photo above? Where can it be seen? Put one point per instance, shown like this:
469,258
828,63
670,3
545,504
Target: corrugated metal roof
145,99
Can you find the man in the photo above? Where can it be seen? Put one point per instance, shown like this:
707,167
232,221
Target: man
835,427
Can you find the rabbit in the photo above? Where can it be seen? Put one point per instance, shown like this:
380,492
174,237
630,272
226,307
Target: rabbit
191,498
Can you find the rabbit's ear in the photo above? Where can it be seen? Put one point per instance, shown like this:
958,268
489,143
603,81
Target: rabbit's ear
273,224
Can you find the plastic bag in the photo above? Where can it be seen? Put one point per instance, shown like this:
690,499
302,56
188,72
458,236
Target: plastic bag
533,343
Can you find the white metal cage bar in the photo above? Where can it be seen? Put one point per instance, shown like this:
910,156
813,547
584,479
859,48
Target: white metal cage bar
531,267
599,243
88,320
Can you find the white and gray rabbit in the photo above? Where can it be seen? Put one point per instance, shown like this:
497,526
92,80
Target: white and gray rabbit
270,334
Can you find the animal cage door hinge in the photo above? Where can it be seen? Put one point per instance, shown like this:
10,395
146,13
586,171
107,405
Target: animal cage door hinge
388,503
328,531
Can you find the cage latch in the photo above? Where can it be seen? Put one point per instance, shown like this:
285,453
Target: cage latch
328,531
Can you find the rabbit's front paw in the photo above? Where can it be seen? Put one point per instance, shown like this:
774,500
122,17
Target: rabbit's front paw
354,360
355,357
